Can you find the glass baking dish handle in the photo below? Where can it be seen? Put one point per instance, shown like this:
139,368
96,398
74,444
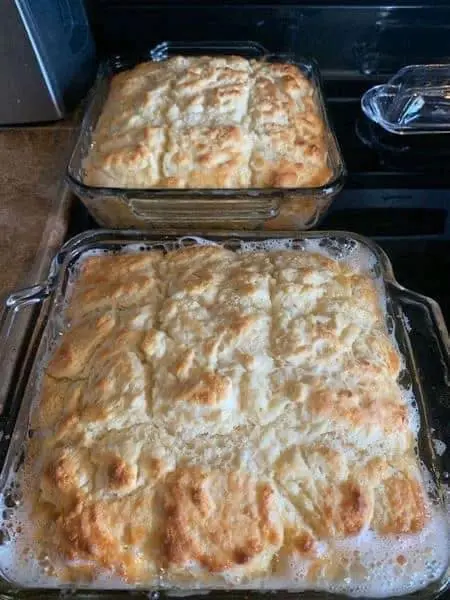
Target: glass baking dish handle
247,48
430,347
251,209
13,325
439,339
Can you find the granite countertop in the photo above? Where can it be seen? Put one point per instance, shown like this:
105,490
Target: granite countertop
33,207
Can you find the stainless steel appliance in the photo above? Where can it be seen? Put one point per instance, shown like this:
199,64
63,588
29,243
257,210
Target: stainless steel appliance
47,59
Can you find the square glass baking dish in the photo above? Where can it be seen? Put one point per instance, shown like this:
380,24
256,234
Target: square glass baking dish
415,321
250,208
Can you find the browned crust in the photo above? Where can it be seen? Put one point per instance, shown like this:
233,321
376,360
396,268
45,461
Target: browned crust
218,531
400,508
204,122
215,339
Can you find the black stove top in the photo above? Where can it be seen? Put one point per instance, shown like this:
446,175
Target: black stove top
376,158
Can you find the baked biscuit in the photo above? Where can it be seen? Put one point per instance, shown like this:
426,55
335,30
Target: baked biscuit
331,501
210,416
200,157
117,282
211,91
209,122
74,353
116,533
221,521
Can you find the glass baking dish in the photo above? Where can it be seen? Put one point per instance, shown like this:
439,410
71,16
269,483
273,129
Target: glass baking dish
415,100
414,320
261,208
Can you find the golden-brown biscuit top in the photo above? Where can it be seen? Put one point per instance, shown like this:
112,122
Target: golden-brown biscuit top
209,122
208,411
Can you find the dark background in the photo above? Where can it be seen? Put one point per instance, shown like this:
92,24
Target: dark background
351,40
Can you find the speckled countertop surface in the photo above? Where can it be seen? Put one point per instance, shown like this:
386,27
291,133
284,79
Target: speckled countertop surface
33,209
